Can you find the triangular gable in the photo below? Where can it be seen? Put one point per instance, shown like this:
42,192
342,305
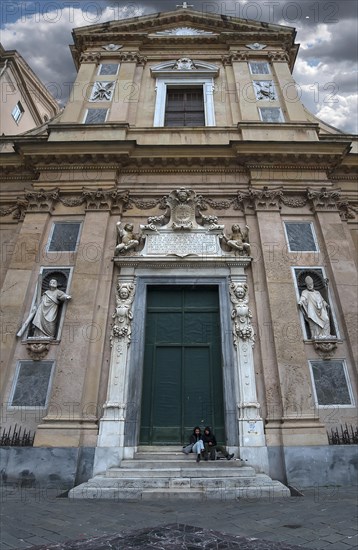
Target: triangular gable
165,23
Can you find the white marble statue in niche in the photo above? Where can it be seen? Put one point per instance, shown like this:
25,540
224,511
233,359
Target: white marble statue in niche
44,314
316,311
238,241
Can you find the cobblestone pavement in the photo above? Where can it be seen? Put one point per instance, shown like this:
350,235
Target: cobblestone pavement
324,518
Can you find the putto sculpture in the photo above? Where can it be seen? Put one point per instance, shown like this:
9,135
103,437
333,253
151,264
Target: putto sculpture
123,314
238,241
127,239
241,313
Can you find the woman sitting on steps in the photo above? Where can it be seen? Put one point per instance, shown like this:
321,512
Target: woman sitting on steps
196,444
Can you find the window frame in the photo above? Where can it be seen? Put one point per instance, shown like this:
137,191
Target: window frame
313,235
19,363
282,121
348,381
52,232
17,109
95,123
260,74
162,84
106,75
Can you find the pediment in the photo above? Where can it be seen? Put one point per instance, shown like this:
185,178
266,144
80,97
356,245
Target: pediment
182,23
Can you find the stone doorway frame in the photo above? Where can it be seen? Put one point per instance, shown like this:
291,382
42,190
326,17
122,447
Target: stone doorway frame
136,360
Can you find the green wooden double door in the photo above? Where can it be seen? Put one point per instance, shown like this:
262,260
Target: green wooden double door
182,378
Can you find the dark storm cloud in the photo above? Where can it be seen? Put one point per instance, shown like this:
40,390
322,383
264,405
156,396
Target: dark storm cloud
342,46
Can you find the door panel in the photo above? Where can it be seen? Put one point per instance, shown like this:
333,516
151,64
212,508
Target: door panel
166,410
182,379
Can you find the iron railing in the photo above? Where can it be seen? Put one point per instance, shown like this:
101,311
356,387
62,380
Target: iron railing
343,436
16,437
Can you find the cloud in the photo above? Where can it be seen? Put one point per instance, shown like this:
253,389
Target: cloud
41,32
342,112
42,38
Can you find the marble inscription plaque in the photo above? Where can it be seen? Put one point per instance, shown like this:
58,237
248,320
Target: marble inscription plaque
182,244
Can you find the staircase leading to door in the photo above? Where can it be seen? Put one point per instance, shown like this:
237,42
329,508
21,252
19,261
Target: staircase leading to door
166,473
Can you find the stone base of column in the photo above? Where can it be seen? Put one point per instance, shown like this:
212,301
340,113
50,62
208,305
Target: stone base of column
256,457
251,432
111,427
105,458
303,431
66,433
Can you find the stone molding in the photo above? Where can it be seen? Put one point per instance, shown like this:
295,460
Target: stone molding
90,57
115,200
123,57
278,56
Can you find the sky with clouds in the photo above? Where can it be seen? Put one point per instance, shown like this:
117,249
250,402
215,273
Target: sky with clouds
326,68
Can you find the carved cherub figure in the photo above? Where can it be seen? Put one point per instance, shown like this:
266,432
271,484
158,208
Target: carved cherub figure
127,239
123,314
238,240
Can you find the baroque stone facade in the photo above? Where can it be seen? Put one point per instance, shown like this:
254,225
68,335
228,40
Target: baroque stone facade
114,202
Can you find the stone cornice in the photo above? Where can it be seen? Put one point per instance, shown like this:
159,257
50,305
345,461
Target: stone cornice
117,201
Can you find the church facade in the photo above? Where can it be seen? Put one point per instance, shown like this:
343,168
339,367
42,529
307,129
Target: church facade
179,249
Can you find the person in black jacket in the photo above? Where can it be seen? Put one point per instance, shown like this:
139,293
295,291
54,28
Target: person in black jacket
196,444
211,446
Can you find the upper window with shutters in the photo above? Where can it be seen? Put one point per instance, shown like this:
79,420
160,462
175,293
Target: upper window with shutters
184,93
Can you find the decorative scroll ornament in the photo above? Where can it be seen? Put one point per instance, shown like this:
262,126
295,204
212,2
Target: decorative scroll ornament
264,90
127,239
37,350
234,56
42,201
132,57
102,91
238,241
325,348
123,315
256,46
279,57
90,57
112,47
325,199
241,314
184,64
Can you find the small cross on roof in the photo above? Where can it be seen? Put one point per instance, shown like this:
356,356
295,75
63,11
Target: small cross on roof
185,5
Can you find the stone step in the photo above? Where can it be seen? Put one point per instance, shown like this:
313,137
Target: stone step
159,448
179,463
98,490
175,455
167,482
167,474
195,471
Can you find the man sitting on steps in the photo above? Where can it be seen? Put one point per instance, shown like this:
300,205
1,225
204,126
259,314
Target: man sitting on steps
211,446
